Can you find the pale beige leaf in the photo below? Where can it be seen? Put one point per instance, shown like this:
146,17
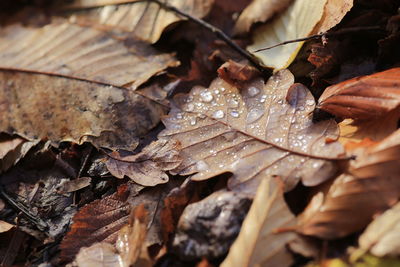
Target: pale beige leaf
12,149
5,226
297,21
259,11
257,243
99,254
144,19
149,166
334,12
80,52
371,186
261,131
382,236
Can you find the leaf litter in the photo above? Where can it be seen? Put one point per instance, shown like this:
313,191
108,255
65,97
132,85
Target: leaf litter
72,90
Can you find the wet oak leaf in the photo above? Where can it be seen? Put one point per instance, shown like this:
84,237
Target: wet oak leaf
144,19
365,97
80,52
261,131
39,106
147,168
258,244
371,185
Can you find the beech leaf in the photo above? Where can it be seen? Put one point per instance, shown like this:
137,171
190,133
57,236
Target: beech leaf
381,237
144,19
334,12
257,243
263,130
363,98
372,182
297,21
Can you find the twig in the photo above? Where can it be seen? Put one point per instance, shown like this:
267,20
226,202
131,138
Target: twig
40,224
321,35
219,33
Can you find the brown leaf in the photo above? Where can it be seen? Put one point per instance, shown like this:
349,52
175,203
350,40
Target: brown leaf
145,20
258,244
5,226
363,98
371,186
149,166
12,149
74,185
381,237
262,131
334,12
259,11
91,55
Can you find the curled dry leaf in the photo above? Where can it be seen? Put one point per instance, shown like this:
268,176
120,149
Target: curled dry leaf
12,149
297,21
381,237
371,186
261,131
82,53
149,166
334,12
363,98
257,243
259,11
144,19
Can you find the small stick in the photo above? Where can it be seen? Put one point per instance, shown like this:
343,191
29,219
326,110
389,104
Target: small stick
322,35
220,34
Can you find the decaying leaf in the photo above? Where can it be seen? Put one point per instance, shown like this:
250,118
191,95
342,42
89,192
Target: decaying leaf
5,226
365,97
12,149
261,131
149,166
257,244
381,237
144,19
99,254
371,186
83,53
297,21
334,12
259,11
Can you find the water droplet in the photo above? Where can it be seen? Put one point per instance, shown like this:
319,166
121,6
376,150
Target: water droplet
206,96
233,103
300,137
254,115
222,89
201,165
293,120
253,91
310,102
193,121
216,91
219,114
179,116
263,98
235,114
315,165
280,101
300,108
190,107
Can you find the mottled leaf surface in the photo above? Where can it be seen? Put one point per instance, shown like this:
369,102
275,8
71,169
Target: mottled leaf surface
144,19
84,53
40,106
261,130
371,186
365,97
257,243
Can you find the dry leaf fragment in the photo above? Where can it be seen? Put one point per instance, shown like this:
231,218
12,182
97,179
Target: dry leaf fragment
99,254
149,166
259,11
334,12
144,19
257,243
297,21
381,237
371,186
262,131
365,97
82,53
5,226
